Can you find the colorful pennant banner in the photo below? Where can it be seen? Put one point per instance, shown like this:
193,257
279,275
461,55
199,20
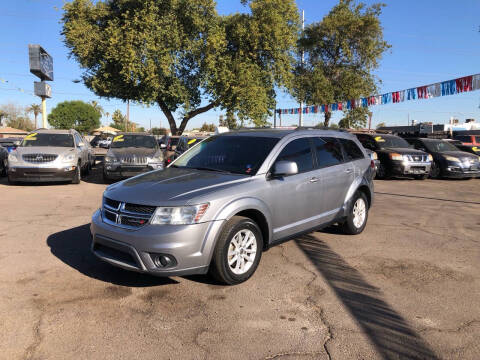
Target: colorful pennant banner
449,87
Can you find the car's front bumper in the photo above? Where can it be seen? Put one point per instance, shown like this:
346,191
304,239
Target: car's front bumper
41,174
459,171
190,245
410,168
124,171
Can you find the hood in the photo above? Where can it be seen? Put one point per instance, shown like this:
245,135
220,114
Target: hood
171,186
459,154
403,151
43,150
120,152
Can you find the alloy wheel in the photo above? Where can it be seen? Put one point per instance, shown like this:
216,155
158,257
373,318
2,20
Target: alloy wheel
359,213
242,251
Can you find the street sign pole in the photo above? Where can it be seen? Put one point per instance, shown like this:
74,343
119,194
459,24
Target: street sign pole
41,65
44,112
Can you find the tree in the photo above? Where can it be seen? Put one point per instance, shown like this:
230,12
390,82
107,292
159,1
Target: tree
341,53
119,120
3,115
159,131
15,116
97,107
36,110
184,56
380,125
76,114
208,127
355,118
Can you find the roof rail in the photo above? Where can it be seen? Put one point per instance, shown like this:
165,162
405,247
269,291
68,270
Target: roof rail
319,128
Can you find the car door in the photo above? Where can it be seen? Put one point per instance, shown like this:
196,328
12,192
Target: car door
295,199
336,176
82,150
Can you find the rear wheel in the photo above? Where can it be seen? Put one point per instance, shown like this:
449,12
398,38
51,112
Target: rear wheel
237,252
3,171
420,177
435,172
357,214
10,181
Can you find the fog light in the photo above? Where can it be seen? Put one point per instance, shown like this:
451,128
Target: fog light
163,260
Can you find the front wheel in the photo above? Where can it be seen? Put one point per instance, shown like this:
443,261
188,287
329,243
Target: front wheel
237,252
435,172
420,177
77,176
357,214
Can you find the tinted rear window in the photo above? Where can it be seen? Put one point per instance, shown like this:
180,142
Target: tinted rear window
352,151
328,152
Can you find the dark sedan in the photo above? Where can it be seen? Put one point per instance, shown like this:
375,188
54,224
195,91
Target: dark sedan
448,161
3,161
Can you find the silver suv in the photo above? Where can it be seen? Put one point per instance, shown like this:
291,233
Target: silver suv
50,155
225,200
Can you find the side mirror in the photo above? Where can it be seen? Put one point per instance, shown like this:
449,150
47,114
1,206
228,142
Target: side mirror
285,168
81,144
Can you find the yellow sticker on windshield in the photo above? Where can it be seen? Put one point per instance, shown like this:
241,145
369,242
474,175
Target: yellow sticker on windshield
379,139
118,138
476,148
191,141
30,137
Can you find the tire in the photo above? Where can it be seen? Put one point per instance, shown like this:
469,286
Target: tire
352,225
77,176
420,177
237,230
435,171
106,179
382,173
10,181
4,168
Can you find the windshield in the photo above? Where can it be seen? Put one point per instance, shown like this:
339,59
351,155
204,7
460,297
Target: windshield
45,139
391,142
143,141
439,146
235,154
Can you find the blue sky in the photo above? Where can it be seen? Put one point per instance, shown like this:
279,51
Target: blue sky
432,41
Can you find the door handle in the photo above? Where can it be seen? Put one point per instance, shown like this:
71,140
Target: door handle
313,180
348,171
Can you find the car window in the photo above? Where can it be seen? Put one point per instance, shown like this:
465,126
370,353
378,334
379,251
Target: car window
367,142
140,141
236,154
352,151
299,151
477,139
390,141
328,152
78,140
462,138
48,139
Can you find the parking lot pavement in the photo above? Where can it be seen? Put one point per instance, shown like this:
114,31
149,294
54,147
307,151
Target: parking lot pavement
408,287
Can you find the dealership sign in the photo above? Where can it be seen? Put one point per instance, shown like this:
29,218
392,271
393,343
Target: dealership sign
41,63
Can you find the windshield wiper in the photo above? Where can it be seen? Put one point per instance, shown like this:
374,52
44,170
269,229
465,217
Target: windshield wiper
210,169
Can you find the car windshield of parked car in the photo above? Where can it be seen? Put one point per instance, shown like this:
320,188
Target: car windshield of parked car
45,139
385,142
140,141
234,154
439,146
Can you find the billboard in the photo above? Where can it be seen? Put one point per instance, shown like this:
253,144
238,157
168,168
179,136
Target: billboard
42,89
41,63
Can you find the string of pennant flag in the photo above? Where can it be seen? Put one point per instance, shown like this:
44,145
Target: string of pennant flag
449,87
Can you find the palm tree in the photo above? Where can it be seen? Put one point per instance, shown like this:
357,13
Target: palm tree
35,109
97,107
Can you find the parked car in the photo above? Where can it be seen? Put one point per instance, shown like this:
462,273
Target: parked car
10,143
396,157
131,154
184,143
3,161
49,155
105,143
467,148
472,140
448,161
220,204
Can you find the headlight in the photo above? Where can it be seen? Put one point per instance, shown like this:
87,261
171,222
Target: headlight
12,157
179,215
68,158
374,156
395,156
110,159
452,158
430,157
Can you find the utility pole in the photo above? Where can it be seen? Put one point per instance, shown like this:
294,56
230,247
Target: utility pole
128,115
150,126
369,121
300,119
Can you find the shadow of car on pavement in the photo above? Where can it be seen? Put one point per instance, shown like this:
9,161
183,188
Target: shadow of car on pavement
72,246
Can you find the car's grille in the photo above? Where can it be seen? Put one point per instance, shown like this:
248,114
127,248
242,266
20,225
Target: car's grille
418,158
39,158
134,160
126,215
